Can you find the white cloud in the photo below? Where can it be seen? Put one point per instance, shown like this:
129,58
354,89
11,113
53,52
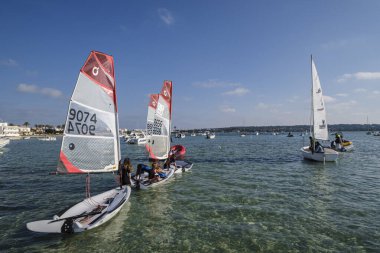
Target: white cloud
214,83
344,106
227,109
376,92
329,99
31,88
359,76
166,16
27,88
335,44
360,90
342,94
342,43
262,106
50,92
8,63
240,91
293,99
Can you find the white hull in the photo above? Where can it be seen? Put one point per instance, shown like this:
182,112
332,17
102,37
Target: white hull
328,156
4,142
139,141
102,208
144,182
48,139
182,166
211,136
346,148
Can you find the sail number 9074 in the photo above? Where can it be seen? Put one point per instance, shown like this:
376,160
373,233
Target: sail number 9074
81,122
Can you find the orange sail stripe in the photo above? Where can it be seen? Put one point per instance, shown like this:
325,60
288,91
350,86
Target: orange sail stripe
68,165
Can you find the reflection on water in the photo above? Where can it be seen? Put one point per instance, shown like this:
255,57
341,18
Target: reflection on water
243,194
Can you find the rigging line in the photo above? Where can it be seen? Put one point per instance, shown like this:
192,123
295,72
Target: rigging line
88,194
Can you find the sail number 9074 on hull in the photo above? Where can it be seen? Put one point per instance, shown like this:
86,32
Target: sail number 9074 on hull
81,122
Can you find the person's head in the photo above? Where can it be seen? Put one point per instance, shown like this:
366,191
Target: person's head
127,162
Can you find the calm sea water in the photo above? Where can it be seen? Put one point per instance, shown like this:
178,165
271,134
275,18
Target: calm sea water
246,194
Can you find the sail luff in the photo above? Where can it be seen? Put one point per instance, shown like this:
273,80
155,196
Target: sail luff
117,151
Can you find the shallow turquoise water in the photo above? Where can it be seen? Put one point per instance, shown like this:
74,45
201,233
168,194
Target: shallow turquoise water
243,195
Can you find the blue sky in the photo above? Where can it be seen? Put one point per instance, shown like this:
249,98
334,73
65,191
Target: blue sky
232,63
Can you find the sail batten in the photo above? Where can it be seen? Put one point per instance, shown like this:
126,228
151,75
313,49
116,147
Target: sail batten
90,139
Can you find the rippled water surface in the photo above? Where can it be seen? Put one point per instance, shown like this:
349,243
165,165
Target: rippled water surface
244,194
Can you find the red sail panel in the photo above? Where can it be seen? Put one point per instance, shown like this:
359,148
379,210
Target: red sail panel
166,93
99,67
70,168
153,100
150,151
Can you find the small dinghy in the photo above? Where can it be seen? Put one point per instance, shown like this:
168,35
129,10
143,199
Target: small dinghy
143,180
159,128
319,129
88,214
90,144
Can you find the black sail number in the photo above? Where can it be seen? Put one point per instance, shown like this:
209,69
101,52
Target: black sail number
81,122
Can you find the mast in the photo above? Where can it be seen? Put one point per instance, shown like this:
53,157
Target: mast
118,155
312,94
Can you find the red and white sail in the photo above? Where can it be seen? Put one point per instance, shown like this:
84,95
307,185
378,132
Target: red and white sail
158,144
90,140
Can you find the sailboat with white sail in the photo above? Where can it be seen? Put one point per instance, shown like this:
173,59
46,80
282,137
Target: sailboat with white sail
319,130
90,144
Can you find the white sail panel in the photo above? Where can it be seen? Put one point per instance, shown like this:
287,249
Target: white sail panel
319,109
159,142
151,111
90,140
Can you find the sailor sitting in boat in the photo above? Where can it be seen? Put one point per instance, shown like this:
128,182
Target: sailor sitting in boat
170,161
157,169
141,169
319,148
337,146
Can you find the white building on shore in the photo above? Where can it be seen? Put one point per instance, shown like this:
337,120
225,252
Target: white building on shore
13,131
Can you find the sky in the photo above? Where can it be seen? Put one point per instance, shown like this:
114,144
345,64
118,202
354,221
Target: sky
232,63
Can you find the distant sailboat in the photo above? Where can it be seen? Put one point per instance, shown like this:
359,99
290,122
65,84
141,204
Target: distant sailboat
90,144
369,129
319,129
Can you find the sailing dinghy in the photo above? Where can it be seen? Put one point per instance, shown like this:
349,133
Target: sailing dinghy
160,140
158,134
90,144
319,129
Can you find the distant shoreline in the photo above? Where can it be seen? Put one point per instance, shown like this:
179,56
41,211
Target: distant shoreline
294,128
